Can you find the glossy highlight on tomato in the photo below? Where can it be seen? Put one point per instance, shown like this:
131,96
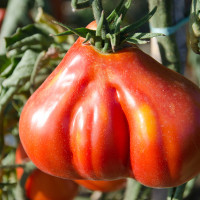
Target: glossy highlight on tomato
103,186
114,115
41,186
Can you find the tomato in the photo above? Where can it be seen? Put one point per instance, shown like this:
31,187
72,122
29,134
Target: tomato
103,186
114,115
41,186
2,14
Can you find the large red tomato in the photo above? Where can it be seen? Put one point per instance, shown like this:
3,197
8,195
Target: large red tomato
103,186
114,115
41,186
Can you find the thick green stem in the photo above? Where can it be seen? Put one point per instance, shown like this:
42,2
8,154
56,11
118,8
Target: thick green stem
176,193
167,45
1,143
136,191
97,9
1,135
75,5
181,10
12,166
19,190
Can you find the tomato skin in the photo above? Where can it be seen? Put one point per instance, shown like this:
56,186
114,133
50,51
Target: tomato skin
2,14
111,116
103,186
41,186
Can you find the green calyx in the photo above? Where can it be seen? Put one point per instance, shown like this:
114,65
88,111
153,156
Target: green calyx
109,35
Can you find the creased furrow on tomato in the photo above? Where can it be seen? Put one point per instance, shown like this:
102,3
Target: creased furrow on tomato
49,117
100,136
146,133
158,132
145,136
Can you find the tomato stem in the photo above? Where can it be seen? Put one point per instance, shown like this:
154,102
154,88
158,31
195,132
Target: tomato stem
20,192
109,35
136,191
97,9
75,5
167,45
176,193
1,136
12,166
102,26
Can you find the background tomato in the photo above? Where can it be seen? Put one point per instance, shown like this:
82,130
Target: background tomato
108,116
2,14
41,186
104,186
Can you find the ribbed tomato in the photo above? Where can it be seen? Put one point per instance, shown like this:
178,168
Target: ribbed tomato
41,186
115,115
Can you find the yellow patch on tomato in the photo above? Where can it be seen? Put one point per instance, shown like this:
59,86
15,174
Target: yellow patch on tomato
145,124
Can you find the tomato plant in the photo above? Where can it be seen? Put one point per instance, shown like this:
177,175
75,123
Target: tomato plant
104,186
107,112
41,186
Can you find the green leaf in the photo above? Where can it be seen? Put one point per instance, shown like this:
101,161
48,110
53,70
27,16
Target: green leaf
132,27
113,40
117,25
5,96
119,12
22,71
35,39
100,25
82,32
87,38
46,21
37,65
145,35
136,41
24,32
8,69
5,62
16,13
19,52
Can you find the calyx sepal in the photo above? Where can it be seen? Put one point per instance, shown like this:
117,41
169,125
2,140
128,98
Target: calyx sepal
114,36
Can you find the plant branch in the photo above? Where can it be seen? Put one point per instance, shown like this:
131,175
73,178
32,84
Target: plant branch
75,5
136,191
167,45
97,10
176,193
12,166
